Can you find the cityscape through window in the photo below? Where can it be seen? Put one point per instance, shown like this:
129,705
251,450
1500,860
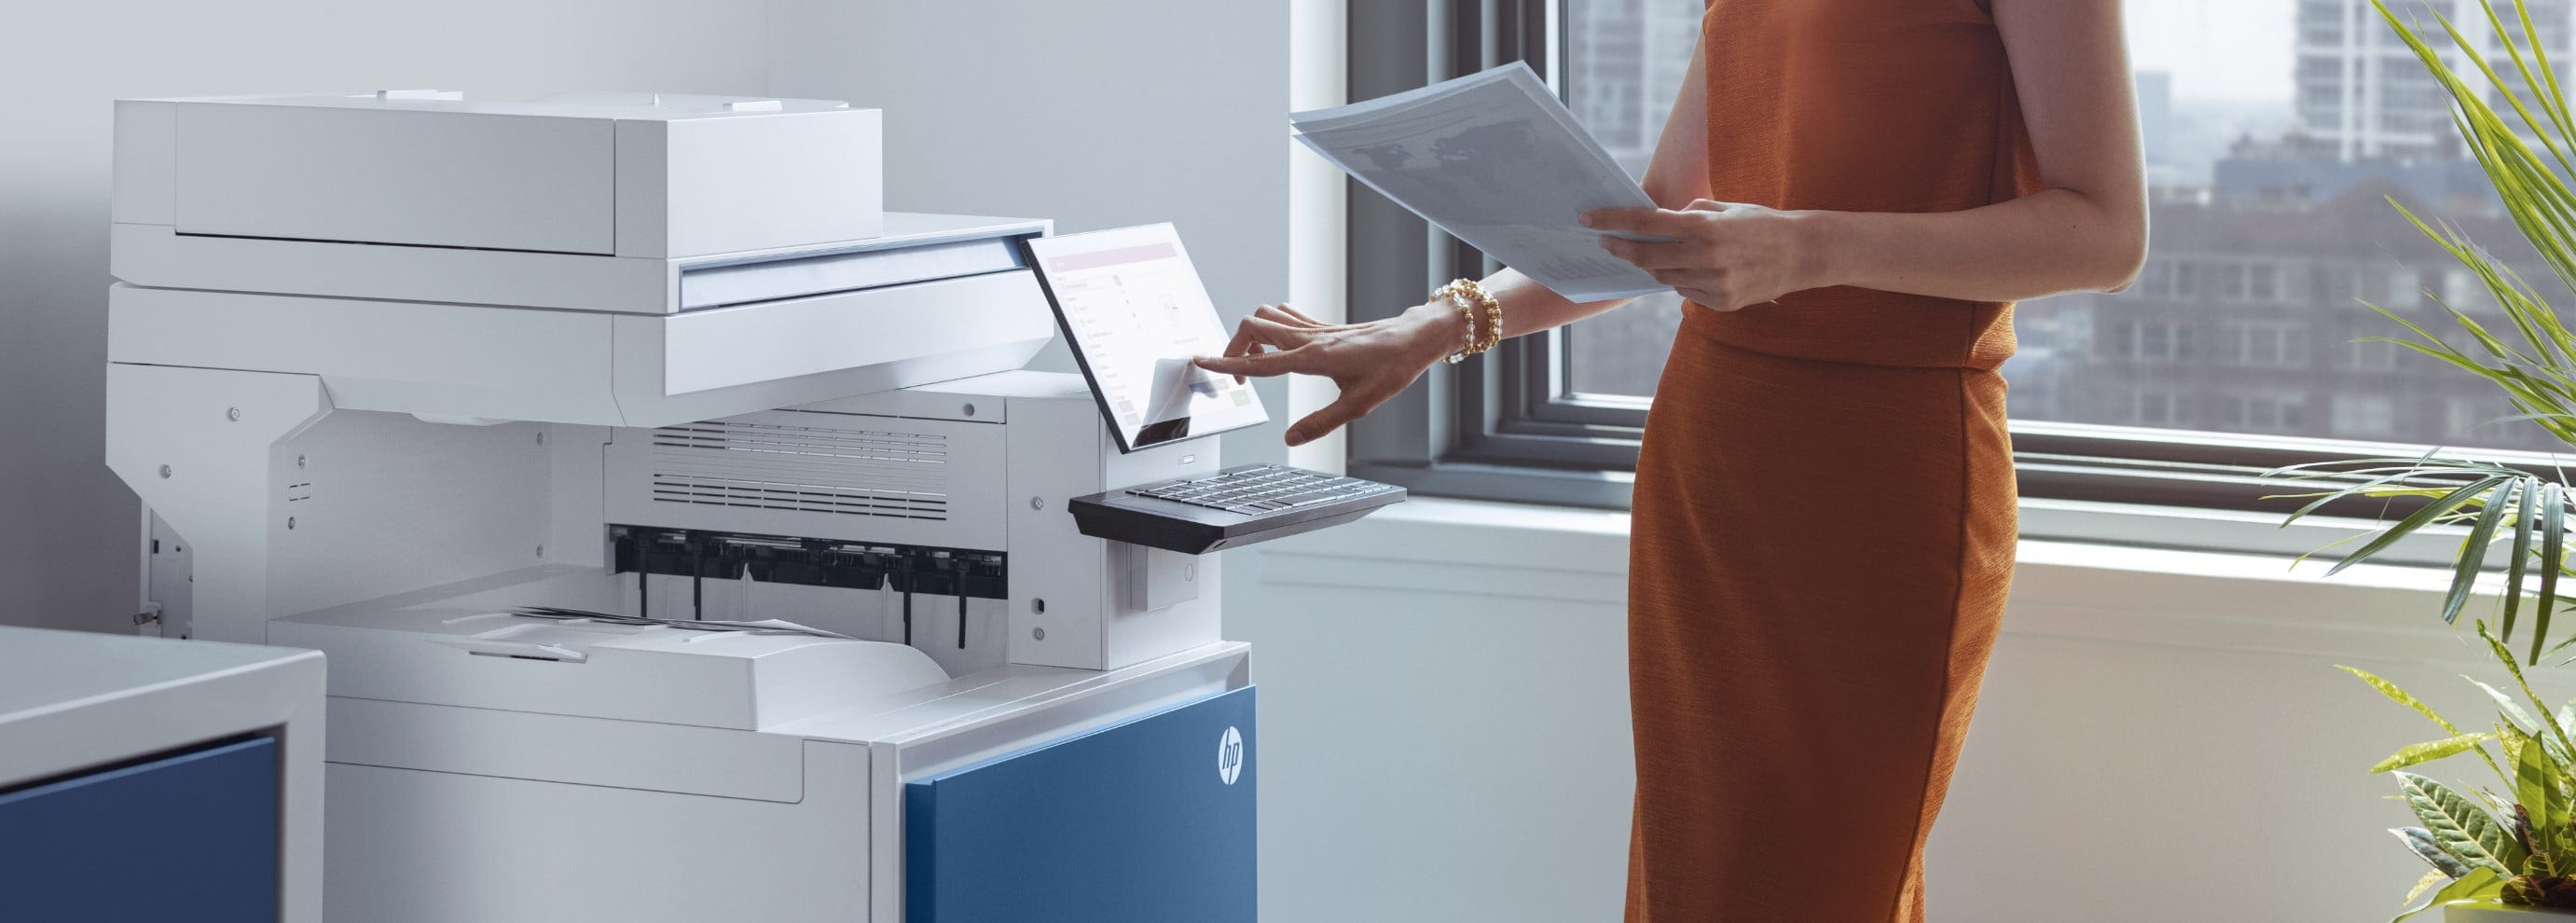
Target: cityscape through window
2276,132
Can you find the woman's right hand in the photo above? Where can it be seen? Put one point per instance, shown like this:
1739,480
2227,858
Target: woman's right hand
1371,362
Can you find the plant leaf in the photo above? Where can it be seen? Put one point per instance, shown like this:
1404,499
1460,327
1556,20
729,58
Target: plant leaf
2431,878
2478,883
2402,697
2553,547
2523,526
2431,750
2461,828
2473,555
2421,842
2416,521
2512,710
2551,730
2537,793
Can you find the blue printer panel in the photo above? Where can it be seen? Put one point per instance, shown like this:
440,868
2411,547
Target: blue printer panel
69,848
1144,821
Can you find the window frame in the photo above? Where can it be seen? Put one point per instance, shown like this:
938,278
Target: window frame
1503,426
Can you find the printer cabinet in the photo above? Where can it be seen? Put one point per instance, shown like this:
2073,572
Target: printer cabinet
1144,821
190,836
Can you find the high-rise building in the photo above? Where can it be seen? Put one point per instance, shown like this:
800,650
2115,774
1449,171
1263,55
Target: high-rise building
2155,115
1627,60
2363,95
1632,56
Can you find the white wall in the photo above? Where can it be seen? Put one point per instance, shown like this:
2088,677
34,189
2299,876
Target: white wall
1096,115
2162,737
67,557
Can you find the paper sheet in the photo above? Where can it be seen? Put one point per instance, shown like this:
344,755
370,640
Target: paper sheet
1494,159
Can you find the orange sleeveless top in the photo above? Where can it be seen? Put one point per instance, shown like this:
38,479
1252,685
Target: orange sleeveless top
1872,106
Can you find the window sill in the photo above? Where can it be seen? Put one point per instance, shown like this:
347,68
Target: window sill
2239,586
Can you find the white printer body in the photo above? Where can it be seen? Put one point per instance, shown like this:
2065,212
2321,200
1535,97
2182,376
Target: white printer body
517,410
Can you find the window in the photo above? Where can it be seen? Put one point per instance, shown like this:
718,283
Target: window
2265,343
2469,418
2262,412
2155,280
2154,340
2262,282
2462,290
2154,407
2370,356
2270,164
2405,290
2365,415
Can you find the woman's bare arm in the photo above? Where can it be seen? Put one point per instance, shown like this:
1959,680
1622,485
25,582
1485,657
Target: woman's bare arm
1372,362
2086,231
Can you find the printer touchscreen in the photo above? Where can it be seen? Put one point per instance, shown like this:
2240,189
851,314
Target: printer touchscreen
1135,313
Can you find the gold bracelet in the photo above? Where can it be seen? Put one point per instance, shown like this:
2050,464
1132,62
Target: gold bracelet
1493,314
1468,294
1465,310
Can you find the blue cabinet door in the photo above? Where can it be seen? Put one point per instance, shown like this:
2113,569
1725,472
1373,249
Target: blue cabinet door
187,837
1145,821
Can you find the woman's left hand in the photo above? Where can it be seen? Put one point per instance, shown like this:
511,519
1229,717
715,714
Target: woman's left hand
1723,255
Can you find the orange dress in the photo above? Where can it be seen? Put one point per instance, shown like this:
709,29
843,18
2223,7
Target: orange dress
1825,505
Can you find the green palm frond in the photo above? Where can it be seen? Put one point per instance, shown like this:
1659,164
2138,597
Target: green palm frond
2513,117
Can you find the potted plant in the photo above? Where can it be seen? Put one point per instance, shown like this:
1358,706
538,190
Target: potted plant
2493,856
2509,853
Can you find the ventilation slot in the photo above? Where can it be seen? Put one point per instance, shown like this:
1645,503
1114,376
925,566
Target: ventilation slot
809,469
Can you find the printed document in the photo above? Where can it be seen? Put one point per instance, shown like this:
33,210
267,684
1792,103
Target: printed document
1495,160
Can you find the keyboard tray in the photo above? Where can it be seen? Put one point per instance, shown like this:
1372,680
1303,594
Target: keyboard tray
1239,506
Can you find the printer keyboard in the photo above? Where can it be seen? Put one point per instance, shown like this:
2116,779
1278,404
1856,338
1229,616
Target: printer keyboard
1229,509
1257,489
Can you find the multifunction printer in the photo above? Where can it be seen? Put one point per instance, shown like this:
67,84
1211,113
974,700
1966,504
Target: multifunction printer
683,536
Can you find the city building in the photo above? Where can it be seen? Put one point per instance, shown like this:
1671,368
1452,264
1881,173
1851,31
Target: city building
2155,115
2256,319
2292,173
2363,95
1634,55
1631,58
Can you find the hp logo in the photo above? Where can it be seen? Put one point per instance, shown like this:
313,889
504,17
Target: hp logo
1229,756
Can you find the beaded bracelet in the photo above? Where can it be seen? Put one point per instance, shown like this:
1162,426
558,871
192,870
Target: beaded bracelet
1469,295
1467,311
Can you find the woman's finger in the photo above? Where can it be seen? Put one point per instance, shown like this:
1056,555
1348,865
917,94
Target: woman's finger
1269,332
1264,332
1291,311
1636,220
1243,344
1274,313
1261,365
1657,257
1250,339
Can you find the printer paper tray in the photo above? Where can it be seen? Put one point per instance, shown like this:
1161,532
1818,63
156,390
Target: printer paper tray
652,756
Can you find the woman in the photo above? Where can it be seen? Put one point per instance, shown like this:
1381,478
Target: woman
1824,517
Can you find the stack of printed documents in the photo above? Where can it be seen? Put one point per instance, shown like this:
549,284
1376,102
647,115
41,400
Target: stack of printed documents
1495,160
